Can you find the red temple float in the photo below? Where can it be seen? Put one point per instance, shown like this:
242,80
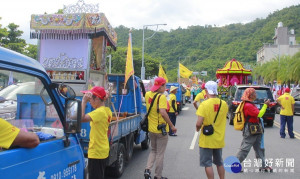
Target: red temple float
232,73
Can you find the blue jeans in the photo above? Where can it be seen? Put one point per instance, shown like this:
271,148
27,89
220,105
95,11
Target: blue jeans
289,121
172,117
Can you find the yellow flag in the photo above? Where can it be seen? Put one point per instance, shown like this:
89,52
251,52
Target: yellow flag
129,61
195,80
184,72
161,73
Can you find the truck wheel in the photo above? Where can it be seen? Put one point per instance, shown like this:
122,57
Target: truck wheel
130,144
230,117
145,143
118,168
270,123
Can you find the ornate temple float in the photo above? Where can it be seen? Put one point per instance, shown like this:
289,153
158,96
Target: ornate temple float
73,45
233,73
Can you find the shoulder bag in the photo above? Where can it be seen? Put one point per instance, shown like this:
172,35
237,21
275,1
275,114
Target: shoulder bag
254,128
144,121
209,129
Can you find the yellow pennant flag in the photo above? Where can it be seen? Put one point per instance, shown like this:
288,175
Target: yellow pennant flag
195,80
161,73
184,72
129,61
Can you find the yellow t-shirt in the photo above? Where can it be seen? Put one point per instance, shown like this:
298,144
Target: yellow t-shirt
99,145
200,96
188,93
8,133
155,118
286,101
172,98
208,109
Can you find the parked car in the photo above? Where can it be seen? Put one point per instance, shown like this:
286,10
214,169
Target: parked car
262,93
295,91
8,98
297,104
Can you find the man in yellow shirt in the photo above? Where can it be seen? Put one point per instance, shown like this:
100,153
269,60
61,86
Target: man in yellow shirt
286,101
173,108
188,95
99,121
200,97
158,128
212,111
13,136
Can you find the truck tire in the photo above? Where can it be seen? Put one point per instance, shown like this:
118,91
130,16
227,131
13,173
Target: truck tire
270,123
145,143
130,144
230,117
118,168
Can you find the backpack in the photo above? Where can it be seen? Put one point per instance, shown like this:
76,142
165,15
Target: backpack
239,118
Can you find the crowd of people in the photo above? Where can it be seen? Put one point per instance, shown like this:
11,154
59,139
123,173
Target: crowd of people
210,111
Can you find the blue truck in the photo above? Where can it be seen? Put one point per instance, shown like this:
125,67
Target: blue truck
33,103
77,58
37,107
180,95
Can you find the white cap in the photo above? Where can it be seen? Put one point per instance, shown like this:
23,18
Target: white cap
212,87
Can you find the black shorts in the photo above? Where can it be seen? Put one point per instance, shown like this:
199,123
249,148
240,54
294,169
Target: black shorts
96,168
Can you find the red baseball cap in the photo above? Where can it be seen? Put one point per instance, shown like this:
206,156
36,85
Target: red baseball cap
203,86
97,91
158,82
287,90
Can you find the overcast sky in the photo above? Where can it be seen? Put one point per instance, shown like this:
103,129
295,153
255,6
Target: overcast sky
136,13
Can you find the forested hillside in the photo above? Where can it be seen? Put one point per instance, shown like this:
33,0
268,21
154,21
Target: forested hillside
207,48
200,48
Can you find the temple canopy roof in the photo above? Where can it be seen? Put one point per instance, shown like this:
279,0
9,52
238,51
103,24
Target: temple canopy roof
75,23
233,67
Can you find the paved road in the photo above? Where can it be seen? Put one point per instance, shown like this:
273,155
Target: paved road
182,158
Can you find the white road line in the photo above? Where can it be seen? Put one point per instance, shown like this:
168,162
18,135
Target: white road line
194,141
185,108
297,135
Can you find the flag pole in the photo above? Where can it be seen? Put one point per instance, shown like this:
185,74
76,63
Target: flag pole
135,106
178,72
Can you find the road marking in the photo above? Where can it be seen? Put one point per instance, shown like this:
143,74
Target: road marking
192,146
185,108
297,135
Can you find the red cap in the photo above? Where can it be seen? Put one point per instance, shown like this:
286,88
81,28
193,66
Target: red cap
287,90
158,83
97,91
203,86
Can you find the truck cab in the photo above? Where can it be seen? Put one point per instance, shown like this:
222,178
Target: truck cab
31,102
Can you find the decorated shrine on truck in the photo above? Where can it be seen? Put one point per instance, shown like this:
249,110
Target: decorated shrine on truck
73,45
233,73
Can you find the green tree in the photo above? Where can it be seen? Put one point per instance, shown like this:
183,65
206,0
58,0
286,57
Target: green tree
31,51
119,62
3,34
13,40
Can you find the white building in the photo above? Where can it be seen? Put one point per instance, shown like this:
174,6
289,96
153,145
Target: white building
284,44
